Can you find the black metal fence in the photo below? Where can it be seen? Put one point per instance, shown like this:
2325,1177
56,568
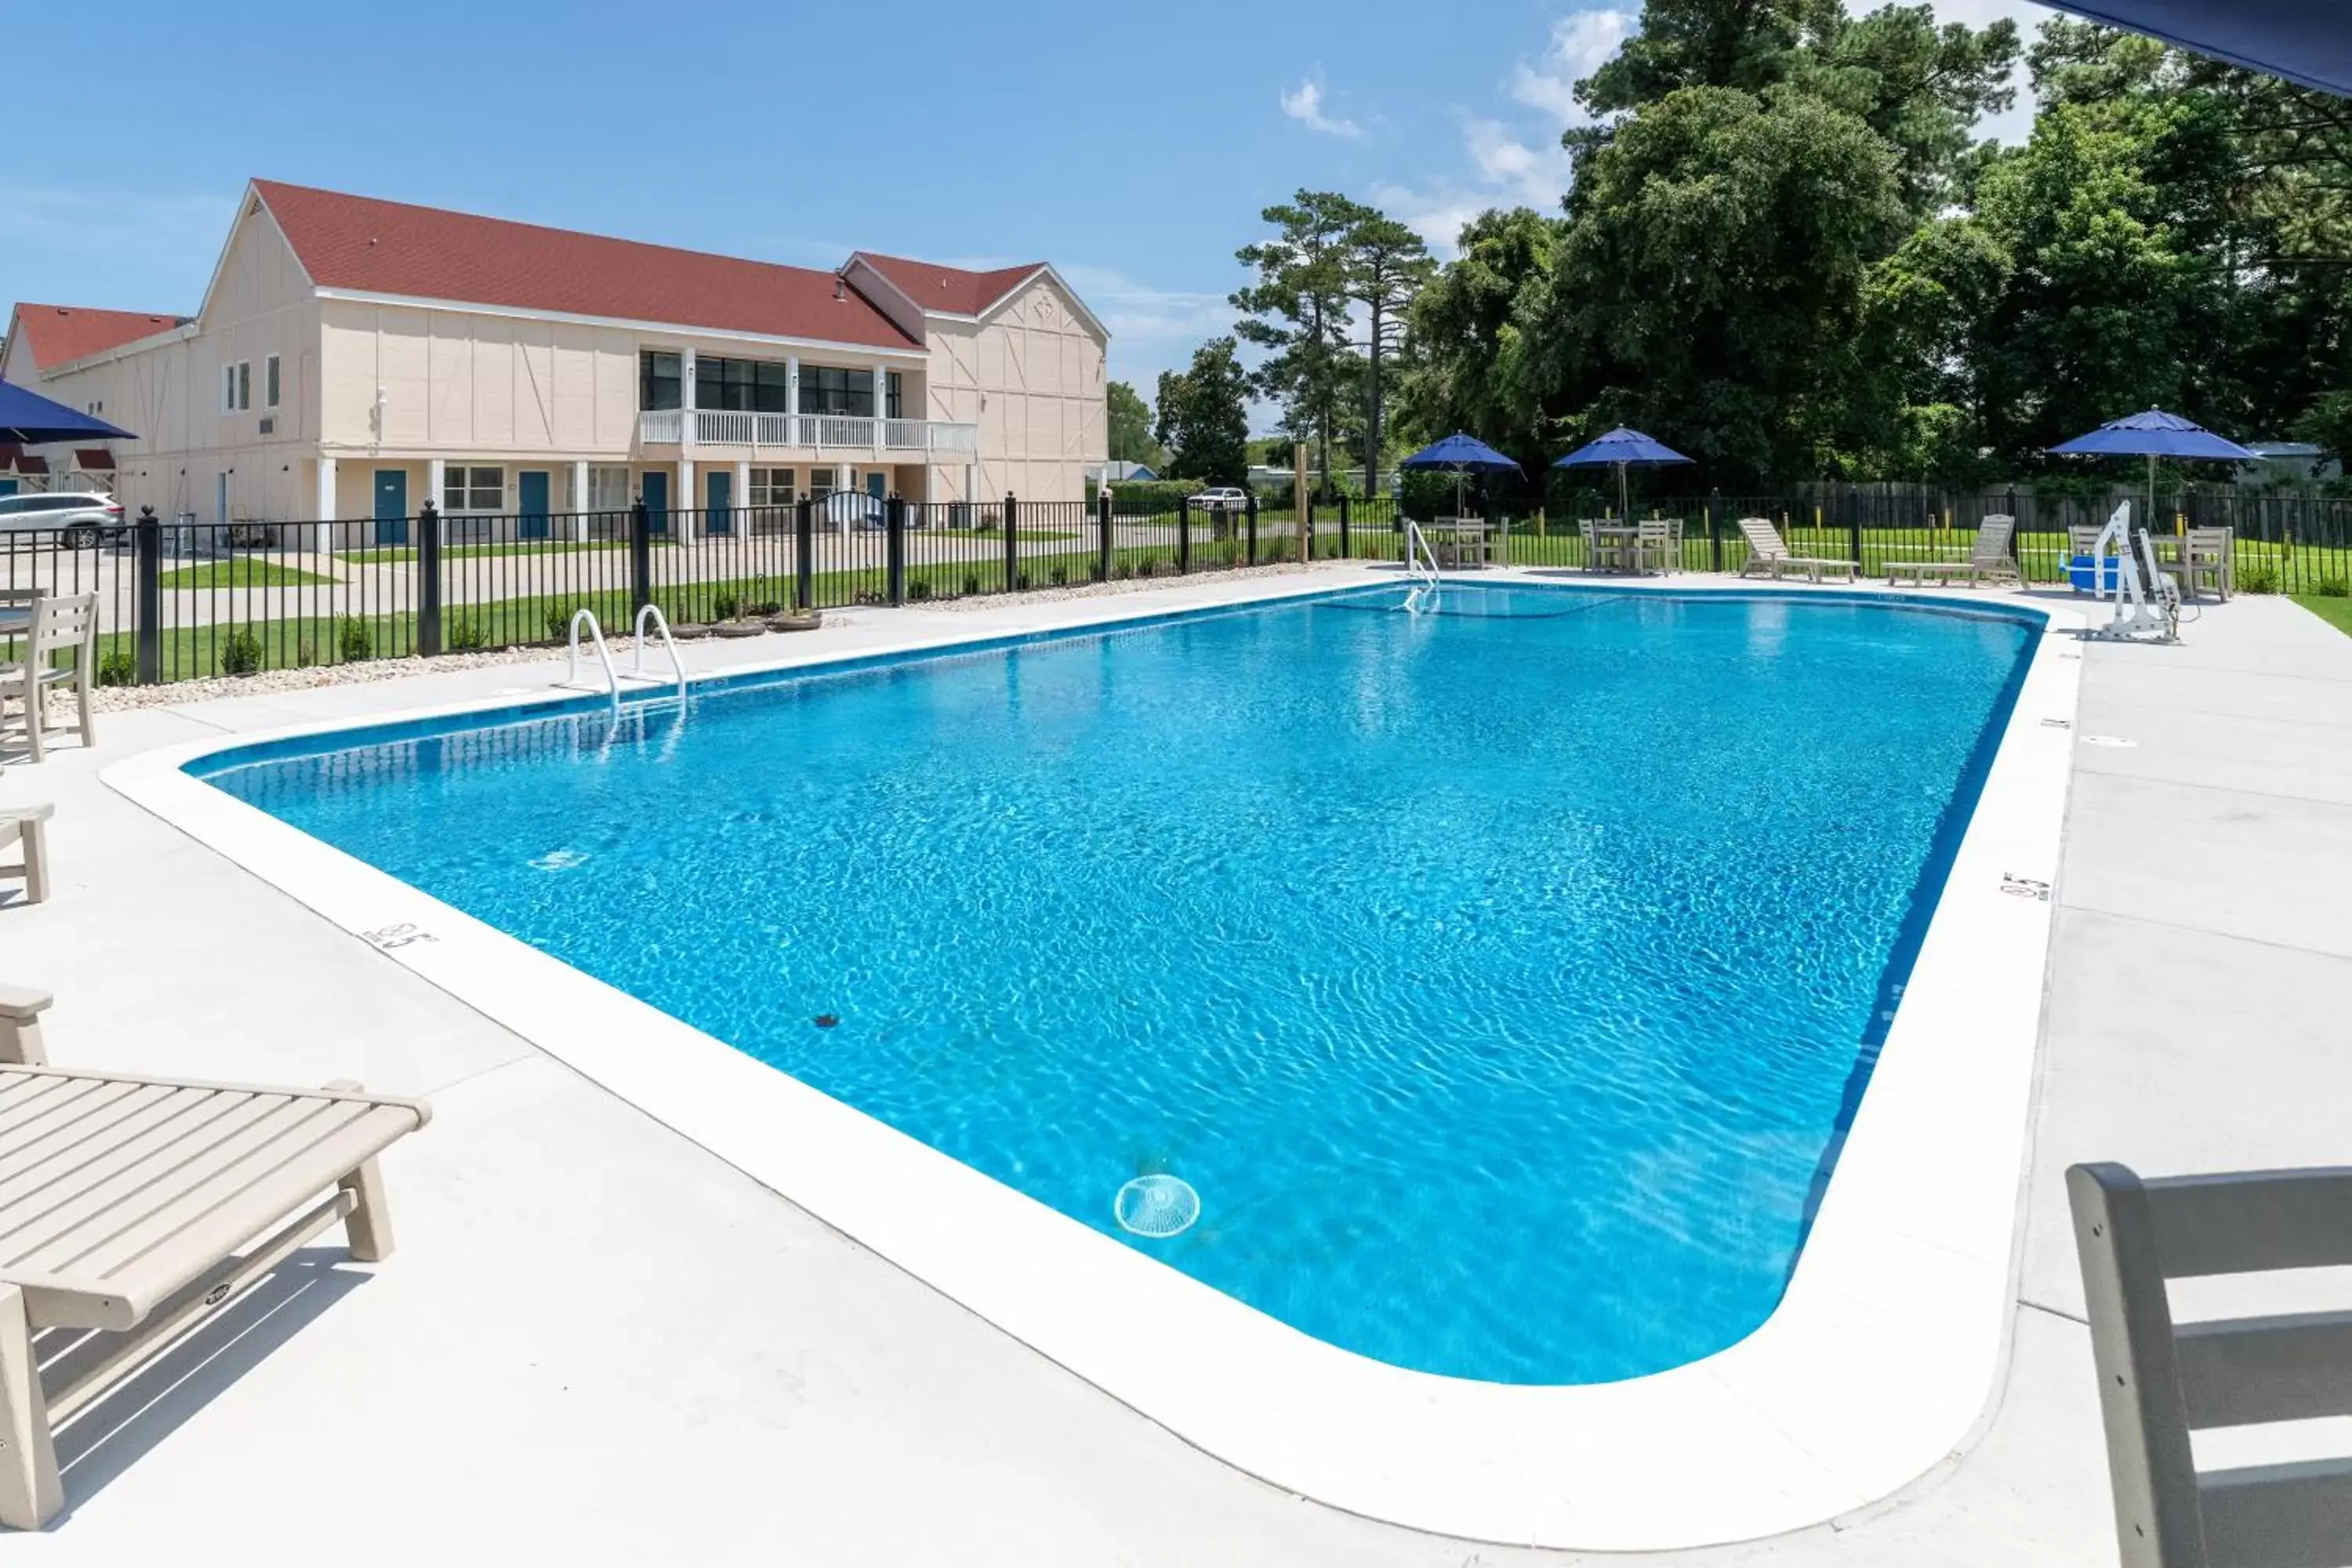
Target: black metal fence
181,599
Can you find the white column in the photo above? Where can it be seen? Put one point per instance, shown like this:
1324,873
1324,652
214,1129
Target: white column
435,472
742,496
792,389
681,513
881,404
326,516
686,400
579,501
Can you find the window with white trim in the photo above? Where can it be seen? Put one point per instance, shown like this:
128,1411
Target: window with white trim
269,382
772,486
608,489
237,387
474,489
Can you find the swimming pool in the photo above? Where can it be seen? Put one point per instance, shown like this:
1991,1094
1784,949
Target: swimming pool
1502,982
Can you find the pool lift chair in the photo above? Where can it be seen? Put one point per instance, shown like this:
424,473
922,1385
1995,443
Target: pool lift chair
2147,608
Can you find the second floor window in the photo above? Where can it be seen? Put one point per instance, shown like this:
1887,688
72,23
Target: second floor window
829,389
269,382
745,385
895,399
660,379
237,387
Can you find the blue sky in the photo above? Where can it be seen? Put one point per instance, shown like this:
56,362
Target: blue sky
1132,147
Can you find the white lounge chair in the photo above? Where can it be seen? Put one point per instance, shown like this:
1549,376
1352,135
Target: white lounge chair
1989,559
1767,555
54,625
142,1206
26,828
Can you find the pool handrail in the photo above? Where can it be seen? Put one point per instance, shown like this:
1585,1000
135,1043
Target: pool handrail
661,624
604,655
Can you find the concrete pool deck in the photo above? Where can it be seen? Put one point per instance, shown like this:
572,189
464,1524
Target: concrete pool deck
599,1343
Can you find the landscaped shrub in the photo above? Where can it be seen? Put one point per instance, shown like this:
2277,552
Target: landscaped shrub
919,588
972,582
117,667
725,604
559,621
2335,588
2258,580
465,634
1021,582
240,653
1061,575
768,608
306,653
354,641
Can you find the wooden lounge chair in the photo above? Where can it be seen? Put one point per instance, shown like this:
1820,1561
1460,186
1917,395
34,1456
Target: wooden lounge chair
142,1206
1989,559
26,828
1769,556
56,625
2159,1381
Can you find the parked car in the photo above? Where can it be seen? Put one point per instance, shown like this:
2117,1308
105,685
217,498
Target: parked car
84,518
851,508
1221,498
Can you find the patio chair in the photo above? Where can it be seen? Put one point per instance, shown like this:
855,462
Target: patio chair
1603,553
2082,539
1658,545
139,1207
2208,555
55,625
26,828
2159,1381
1767,555
1989,558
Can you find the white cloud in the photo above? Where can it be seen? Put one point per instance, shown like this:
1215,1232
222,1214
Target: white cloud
1304,103
1580,42
1151,329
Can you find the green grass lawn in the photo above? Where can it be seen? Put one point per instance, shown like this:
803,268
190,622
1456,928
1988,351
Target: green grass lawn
2336,610
239,572
401,554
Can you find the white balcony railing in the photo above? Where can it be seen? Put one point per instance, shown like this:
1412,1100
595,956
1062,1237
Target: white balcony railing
805,432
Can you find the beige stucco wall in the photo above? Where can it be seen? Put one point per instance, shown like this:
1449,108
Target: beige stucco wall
166,390
1030,376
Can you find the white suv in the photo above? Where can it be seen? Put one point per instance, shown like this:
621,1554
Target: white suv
84,518
1221,498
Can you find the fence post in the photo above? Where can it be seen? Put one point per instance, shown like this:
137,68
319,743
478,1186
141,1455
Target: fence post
1251,509
428,580
1715,530
1184,536
1846,498
1306,531
803,555
1012,542
894,522
1103,520
641,556
149,606
1346,550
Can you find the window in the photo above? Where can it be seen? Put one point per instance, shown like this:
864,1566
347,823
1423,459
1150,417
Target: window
660,377
894,397
269,382
608,489
467,489
820,484
237,387
745,385
829,389
96,407
772,486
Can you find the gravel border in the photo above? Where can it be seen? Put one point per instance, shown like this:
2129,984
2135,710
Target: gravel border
115,699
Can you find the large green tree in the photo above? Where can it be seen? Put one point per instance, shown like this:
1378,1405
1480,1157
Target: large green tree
1388,265
1473,339
1204,415
1297,309
1129,426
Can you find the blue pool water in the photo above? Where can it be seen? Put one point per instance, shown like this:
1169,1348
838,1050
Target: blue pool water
1499,981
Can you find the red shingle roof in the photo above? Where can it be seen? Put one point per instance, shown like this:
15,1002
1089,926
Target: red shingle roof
950,289
392,247
56,333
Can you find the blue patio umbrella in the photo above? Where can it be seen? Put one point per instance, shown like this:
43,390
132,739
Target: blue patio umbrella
2154,435
1463,454
27,419
1622,447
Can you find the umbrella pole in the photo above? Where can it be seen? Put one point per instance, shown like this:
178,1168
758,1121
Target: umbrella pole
1625,505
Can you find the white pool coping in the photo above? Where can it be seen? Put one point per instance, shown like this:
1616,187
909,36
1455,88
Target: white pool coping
1877,1365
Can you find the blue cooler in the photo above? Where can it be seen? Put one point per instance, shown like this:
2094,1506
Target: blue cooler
2093,574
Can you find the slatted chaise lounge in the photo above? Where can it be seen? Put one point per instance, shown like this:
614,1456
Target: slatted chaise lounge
1769,554
1989,559
26,828
142,1206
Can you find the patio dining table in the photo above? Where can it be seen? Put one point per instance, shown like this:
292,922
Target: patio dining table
1458,541
1612,545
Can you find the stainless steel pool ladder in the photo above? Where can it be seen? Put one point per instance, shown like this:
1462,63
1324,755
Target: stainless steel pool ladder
613,676
1420,566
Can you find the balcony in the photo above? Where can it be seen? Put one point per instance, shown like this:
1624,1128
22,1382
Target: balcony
805,432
